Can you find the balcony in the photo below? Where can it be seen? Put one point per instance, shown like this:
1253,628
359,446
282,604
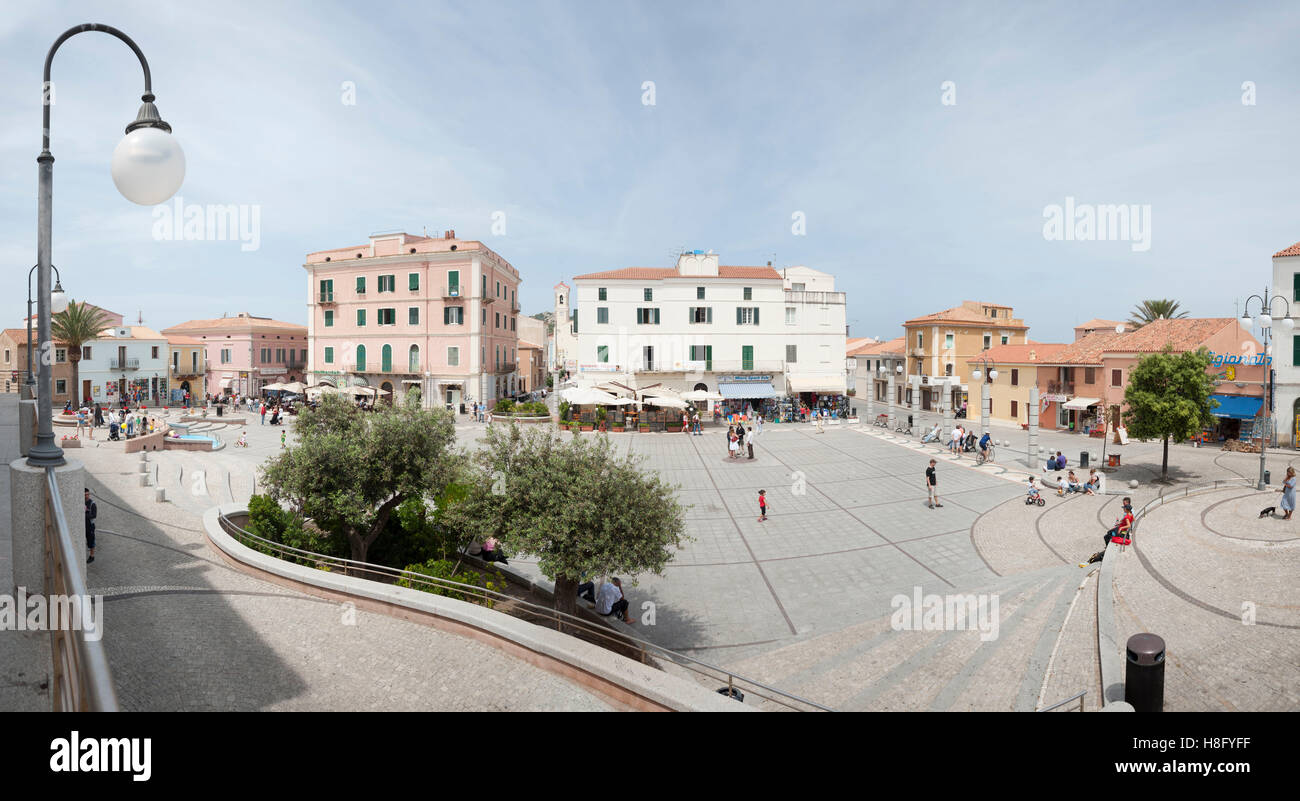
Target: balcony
185,371
325,298
917,353
817,298
488,299
1060,387
124,364
451,293
716,366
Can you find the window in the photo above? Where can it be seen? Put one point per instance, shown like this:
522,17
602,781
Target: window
513,323
748,293
701,314
484,317
791,315
361,358
361,285
746,315
947,369
1089,375
387,283
497,323
413,281
225,355
947,341
647,316
60,387
920,340
485,288
453,283
699,293
1015,377
602,315
601,294
386,359
453,315
60,355
988,341
329,355
796,287
1005,339
413,315
1295,295
1015,410
304,355
701,353
453,356
792,353
153,352
602,354
329,318
85,352
1116,377
413,359
498,289
747,357
279,355
266,355
649,294
361,317
327,291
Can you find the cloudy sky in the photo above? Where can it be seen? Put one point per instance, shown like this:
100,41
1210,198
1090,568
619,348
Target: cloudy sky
762,112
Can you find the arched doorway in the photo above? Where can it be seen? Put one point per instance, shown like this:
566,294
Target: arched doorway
387,386
701,387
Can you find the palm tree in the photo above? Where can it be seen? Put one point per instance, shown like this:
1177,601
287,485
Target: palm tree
75,326
1150,310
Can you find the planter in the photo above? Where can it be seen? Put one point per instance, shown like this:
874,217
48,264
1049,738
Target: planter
617,429
69,443
588,427
643,429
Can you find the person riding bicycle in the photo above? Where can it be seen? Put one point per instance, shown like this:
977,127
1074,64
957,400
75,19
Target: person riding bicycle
1033,490
985,441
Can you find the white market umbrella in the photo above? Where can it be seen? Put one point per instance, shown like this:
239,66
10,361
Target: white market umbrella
665,402
277,387
587,396
701,395
295,386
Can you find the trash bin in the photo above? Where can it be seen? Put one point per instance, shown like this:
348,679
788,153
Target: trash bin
1144,680
220,408
462,408
1083,458
1268,477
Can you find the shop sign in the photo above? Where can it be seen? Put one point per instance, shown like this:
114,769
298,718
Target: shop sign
741,379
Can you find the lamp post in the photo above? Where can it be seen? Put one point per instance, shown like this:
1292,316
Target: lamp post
147,167
58,302
1265,322
991,371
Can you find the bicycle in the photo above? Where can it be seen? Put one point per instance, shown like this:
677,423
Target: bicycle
980,458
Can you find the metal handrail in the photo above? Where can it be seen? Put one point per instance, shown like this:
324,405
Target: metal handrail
1074,697
561,619
82,680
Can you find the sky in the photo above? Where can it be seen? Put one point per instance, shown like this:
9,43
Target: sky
912,150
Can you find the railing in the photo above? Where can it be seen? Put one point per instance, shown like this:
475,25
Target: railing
1060,387
733,365
1076,697
820,298
451,292
124,364
325,297
82,680
530,612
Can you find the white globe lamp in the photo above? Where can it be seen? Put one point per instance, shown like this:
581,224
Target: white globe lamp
148,166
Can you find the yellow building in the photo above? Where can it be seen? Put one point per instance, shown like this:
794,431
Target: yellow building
187,366
1017,370
940,345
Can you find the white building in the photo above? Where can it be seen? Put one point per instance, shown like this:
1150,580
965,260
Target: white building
1285,345
123,358
562,347
747,333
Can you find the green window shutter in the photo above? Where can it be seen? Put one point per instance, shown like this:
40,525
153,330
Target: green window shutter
755,315
361,283
361,316
656,316
1295,350
329,355
1296,278
708,314
361,358
415,280
329,319
738,315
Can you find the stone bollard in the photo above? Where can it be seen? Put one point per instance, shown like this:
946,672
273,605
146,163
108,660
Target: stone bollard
160,494
144,466
144,479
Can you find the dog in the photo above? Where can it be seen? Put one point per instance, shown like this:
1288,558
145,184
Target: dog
1267,512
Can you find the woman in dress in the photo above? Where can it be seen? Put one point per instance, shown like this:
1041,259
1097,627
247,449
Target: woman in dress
733,444
1288,493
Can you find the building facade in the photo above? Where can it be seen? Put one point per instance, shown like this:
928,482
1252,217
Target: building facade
1286,346
940,345
533,366
406,311
187,365
1018,368
13,366
125,361
874,362
745,333
245,352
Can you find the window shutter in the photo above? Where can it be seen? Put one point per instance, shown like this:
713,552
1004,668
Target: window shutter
738,315
656,316
755,315
708,314
1295,350
1296,279
690,315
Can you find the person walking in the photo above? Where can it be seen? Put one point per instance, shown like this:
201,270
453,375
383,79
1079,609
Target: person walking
1288,493
733,444
263,412
762,505
282,433
817,417
749,442
91,513
759,421
931,485
695,422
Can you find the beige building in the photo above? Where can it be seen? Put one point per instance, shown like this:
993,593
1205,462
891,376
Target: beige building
1017,370
940,345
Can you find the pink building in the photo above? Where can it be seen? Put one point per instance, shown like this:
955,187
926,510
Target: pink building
246,352
406,311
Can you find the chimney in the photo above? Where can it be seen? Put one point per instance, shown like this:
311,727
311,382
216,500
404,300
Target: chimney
769,262
449,234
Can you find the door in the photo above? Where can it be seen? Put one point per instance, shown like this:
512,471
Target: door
85,390
648,358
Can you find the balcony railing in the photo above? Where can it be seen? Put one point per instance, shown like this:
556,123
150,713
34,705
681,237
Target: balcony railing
82,680
1060,387
450,292
727,366
325,297
176,370
818,298
124,364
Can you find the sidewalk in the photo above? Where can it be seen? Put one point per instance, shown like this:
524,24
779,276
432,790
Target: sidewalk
25,664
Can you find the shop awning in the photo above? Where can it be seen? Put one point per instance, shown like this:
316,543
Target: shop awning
1237,407
747,390
826,383
1081,403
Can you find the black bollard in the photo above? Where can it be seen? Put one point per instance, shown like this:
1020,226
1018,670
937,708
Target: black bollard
1144,679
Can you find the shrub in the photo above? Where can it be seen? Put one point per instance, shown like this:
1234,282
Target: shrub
564,410
445,569
504,406
268,520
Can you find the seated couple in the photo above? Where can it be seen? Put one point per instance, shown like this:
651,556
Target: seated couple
610,599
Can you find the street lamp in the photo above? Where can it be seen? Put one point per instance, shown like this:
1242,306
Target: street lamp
58,302
147,167
1265,321
978,375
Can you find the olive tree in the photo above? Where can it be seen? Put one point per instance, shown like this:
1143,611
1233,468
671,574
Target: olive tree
572,503
1168,395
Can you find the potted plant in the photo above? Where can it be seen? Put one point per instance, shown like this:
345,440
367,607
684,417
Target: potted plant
601,416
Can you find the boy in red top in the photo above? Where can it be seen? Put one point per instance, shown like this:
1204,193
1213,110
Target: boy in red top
762,505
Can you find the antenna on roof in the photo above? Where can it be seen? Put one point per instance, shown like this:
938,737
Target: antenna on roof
139,317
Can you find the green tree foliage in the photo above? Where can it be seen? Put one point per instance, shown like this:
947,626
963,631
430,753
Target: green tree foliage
1150,310
1168,395
574,504
446,569
351,470
270,521
74,327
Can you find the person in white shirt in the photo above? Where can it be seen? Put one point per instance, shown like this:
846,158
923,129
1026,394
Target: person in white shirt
610,599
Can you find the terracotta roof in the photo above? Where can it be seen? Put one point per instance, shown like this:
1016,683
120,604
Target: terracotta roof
523,343
961,315
181,340
1097,322
232,324
893,347
1186,333
1037,353
1294,250
660,273
1087,350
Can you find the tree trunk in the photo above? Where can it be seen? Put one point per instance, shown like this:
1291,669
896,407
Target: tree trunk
1164,462
566,595
76,378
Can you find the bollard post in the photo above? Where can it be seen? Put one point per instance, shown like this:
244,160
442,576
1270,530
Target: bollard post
1144,679
160,494
1032,456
